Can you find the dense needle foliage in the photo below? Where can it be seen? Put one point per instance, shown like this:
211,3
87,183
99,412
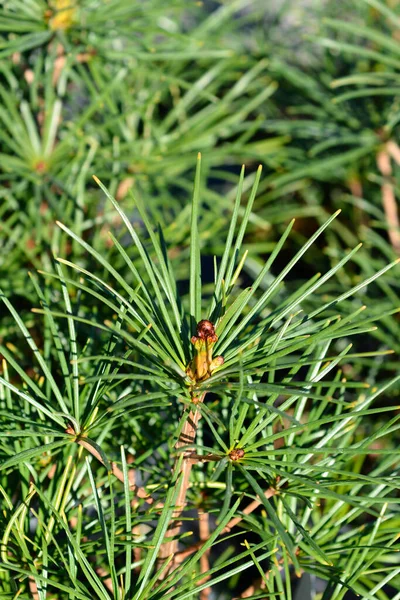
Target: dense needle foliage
198,378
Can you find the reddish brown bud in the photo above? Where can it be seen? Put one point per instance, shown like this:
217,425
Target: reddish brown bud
40,166
202,365
206,331
236,454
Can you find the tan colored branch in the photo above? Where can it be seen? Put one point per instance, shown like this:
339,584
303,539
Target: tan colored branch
116,471
229,526
107,581
255,587
356,187
248,510
388,196
200,368
33,588
204,534
187,436
394,151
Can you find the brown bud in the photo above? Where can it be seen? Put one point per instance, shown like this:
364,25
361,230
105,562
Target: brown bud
206,331
236,454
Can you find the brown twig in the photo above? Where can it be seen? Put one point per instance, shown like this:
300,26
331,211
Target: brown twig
187,436
116,471
33,588
248,510
200,368
229,526
107,581
356,190
204,534
388,196
394,151
259,584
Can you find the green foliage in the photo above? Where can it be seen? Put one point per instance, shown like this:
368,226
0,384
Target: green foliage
122,84
93,388
272,472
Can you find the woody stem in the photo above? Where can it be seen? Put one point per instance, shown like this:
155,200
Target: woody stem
187,436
